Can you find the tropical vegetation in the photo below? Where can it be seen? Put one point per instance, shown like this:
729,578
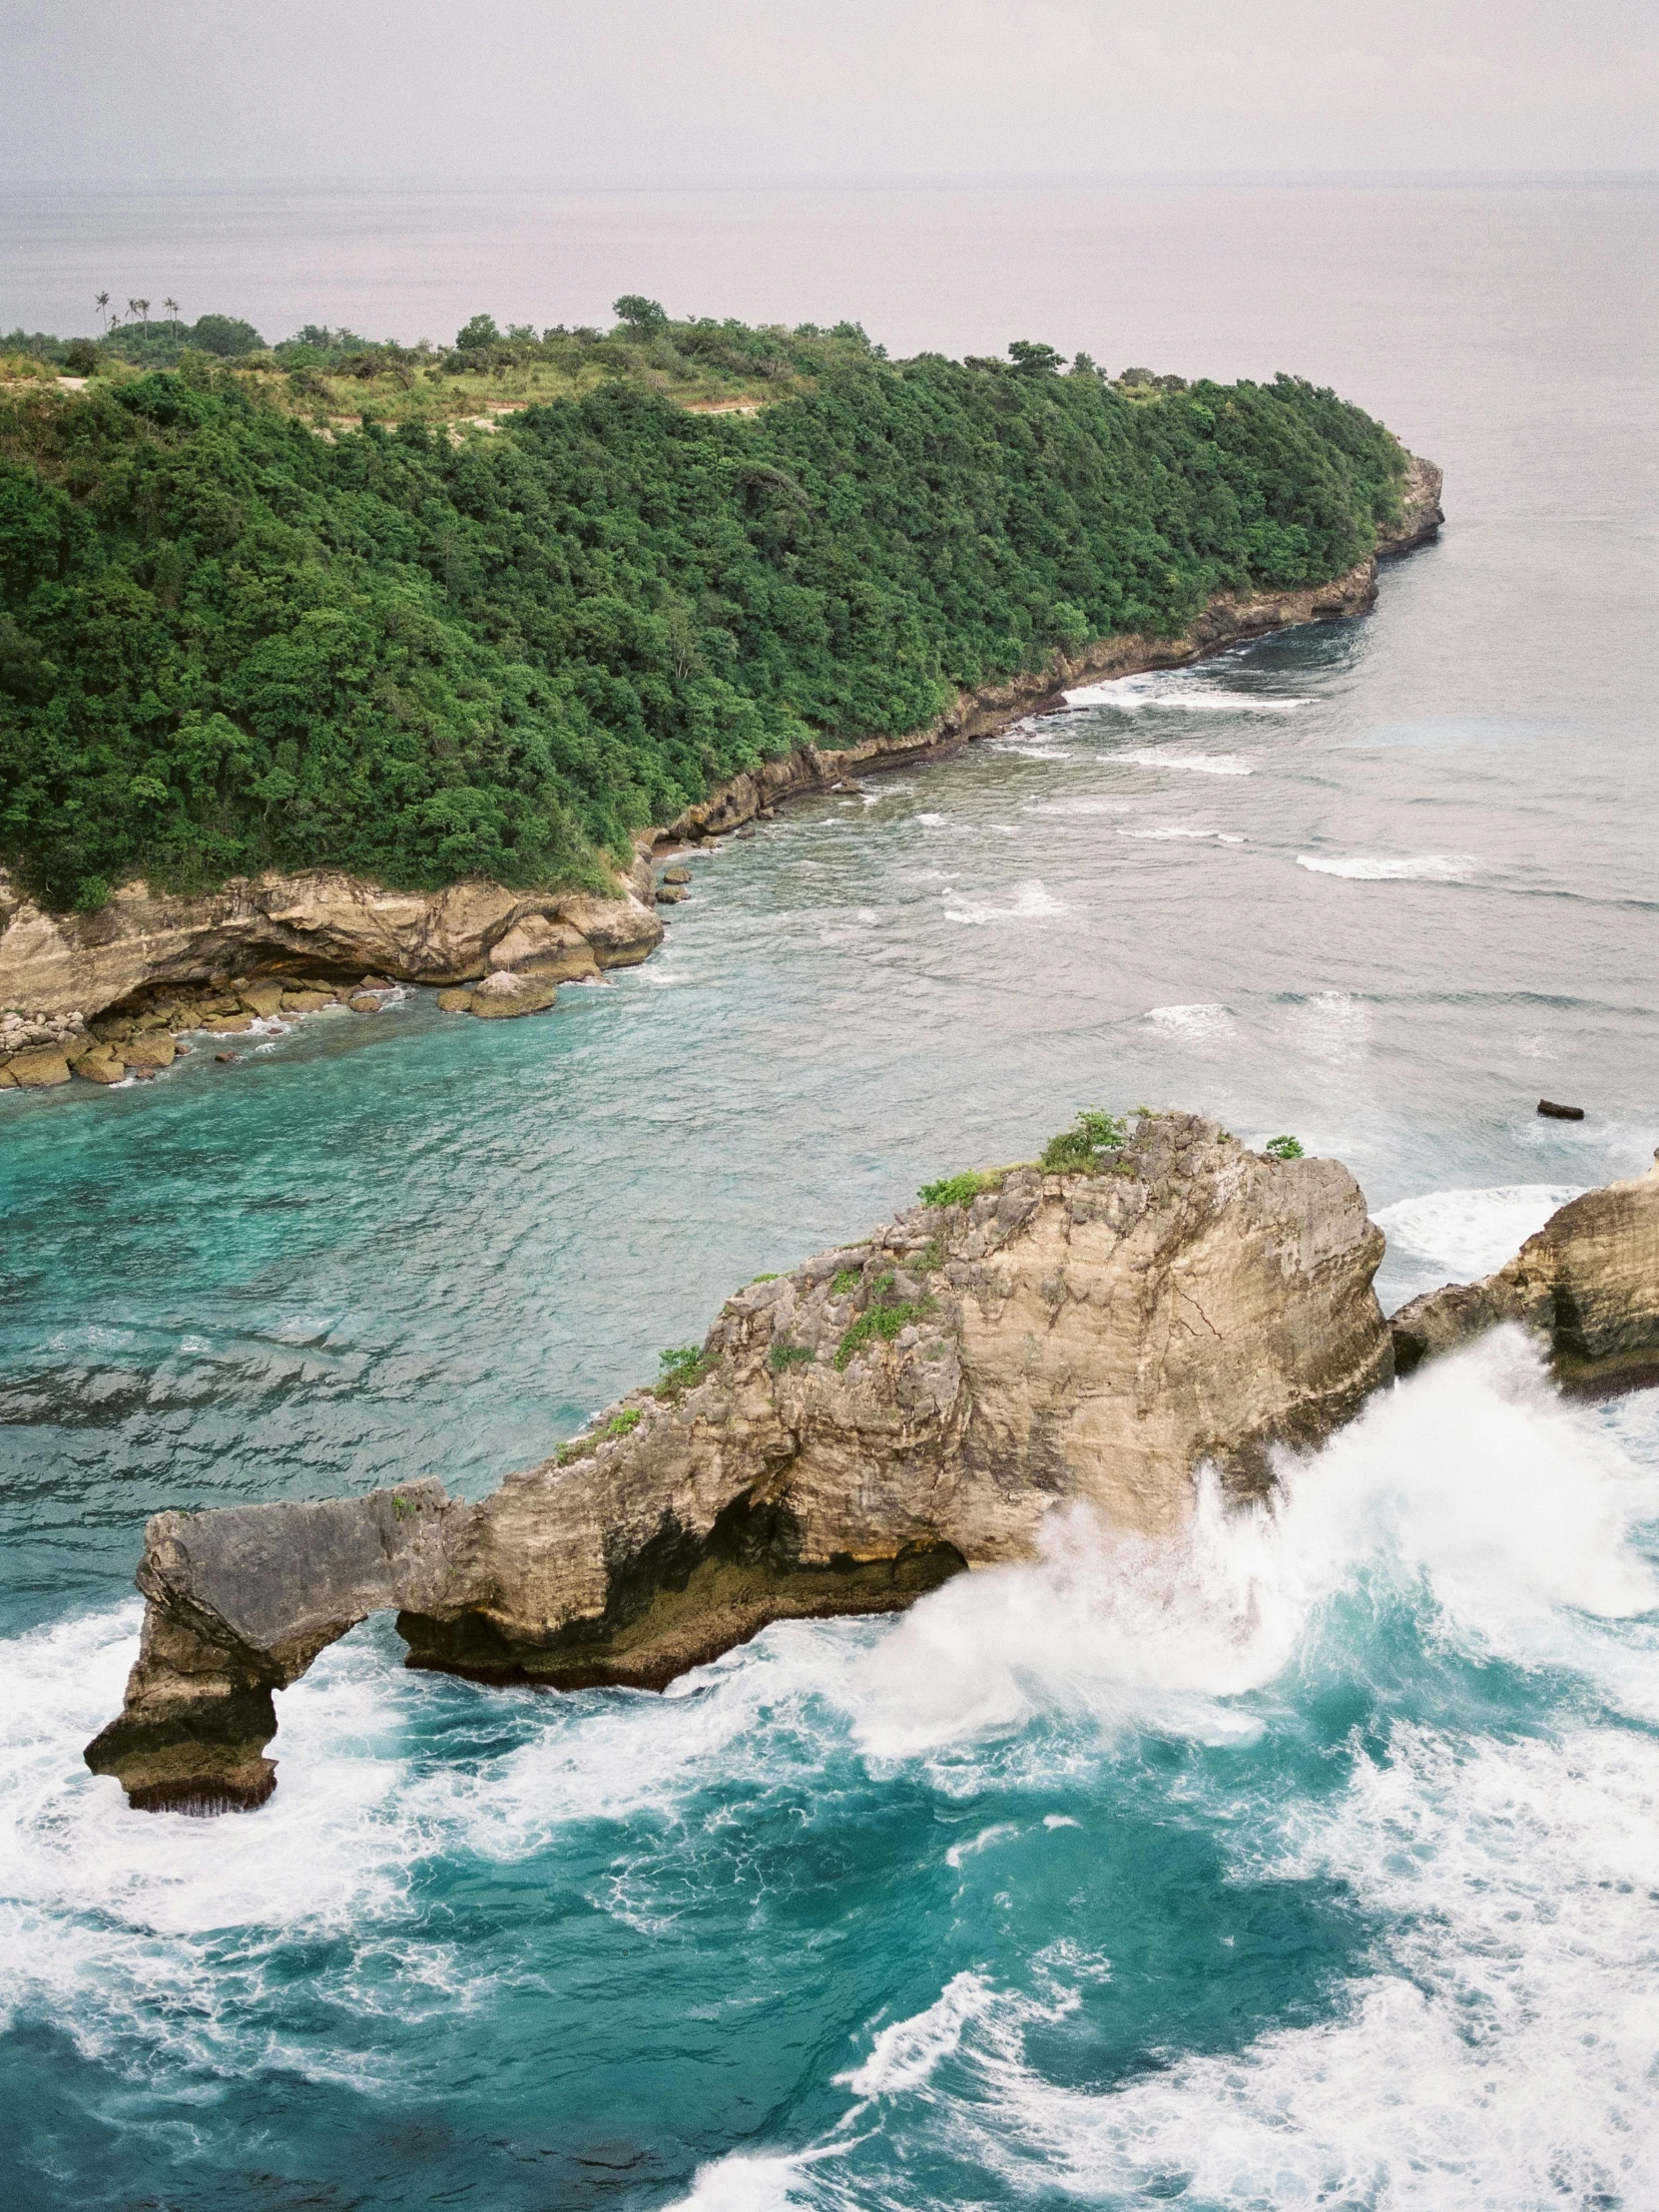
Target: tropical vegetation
235,633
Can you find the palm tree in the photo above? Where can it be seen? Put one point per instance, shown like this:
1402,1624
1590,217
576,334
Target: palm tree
143,309
132,307
172,306
102,302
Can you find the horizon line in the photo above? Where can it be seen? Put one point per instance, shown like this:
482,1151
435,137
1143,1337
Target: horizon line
1023,181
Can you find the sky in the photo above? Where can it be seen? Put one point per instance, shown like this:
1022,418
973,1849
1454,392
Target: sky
613,93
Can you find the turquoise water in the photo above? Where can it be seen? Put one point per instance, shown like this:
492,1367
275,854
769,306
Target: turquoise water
1309,1863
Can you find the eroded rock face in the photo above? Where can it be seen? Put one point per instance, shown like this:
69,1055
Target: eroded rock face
321,922
852,1435
1587,1285
241,1600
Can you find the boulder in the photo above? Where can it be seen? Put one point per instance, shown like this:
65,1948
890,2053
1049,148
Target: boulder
454,1002
302,1001
228,1024
502,996
857,1432
263,999
40,1069
622,931
363,1002
152,1048
1586,1286
103,1064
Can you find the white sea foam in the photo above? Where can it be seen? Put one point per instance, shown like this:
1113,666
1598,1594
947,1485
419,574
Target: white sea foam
1371,867
1067,808
998,1833
1202,1021
903,2055
1194,764
1474,1477
1208,837
1469,1233
1178,692
1500,2051
1031,903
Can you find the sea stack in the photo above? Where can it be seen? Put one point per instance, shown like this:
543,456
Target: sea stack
848,1436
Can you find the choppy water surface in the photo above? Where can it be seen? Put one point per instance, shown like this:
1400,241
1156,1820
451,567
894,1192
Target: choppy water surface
1309,1863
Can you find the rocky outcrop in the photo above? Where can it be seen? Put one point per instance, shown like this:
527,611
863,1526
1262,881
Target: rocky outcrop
848,1436
321,923
233,1616
326,922
1586,1285
1421,512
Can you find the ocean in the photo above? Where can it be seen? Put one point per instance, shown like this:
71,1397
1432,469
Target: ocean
1308,1862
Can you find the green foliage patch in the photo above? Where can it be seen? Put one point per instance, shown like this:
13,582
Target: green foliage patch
884,1317
845,1280
228,643
960,1190
789,1356
679,1368
1282,1148
1087,1144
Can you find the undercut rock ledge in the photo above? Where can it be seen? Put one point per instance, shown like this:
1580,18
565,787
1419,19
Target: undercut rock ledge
851,1434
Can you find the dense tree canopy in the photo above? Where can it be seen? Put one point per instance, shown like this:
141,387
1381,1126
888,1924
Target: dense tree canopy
228,643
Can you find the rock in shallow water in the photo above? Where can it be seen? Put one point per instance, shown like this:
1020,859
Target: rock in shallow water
502,996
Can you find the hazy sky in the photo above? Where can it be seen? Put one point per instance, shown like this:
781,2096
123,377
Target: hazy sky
620,92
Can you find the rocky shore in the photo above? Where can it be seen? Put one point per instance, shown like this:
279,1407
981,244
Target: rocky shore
59,972
852,1434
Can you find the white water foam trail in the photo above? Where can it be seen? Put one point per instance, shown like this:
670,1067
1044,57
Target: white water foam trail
1501,2053
1178,692
1373,867
1204,1020
1454,1236
1196,763
1031,903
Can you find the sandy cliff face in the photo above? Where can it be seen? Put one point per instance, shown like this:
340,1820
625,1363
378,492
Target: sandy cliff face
857,1431
320,923
324,922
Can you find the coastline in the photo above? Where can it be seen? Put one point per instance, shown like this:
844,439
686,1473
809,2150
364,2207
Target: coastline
60,972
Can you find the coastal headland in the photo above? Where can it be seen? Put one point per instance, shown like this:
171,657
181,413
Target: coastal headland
149,962
1089,1331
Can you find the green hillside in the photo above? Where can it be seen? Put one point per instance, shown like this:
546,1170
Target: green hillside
229,641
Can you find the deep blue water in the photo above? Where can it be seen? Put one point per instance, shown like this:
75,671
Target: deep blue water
1307,1863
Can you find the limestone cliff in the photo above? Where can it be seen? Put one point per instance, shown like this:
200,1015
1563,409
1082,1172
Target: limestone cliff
850,1434
1587,1285
319,923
